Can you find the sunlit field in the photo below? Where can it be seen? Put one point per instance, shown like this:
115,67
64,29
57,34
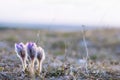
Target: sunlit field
65,54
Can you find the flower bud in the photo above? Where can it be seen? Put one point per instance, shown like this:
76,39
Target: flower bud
31,50
21,53
40,58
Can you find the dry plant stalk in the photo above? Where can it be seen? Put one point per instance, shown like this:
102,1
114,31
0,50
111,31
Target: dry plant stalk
86,49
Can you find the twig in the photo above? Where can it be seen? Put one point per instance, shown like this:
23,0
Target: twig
84,40
65,57
86,48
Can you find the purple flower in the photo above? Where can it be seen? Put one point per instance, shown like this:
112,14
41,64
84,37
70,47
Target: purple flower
40,58
21,53
30,53
40,54
31,50
20,50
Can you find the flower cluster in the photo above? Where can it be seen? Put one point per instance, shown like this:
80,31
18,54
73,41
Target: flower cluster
30,53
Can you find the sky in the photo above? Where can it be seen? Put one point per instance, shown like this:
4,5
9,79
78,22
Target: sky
85,12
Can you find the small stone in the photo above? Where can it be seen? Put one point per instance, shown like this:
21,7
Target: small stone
1,69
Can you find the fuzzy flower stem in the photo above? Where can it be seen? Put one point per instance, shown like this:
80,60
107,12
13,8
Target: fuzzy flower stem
40,67
32,68
24,64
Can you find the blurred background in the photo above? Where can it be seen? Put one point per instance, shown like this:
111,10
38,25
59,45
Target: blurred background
56,25
62,20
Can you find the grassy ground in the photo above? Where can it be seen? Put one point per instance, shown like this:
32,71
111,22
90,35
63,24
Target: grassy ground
103,46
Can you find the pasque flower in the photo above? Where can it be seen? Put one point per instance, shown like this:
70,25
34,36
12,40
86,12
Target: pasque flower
31,52
40,58
21,53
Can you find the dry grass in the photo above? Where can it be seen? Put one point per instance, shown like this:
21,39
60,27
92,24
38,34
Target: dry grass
103,63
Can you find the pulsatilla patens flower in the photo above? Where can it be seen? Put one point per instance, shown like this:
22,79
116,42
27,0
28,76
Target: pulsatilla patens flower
31,52
21,53
40,58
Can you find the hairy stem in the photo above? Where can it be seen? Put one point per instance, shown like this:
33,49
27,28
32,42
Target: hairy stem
40,67
32,67
24,64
